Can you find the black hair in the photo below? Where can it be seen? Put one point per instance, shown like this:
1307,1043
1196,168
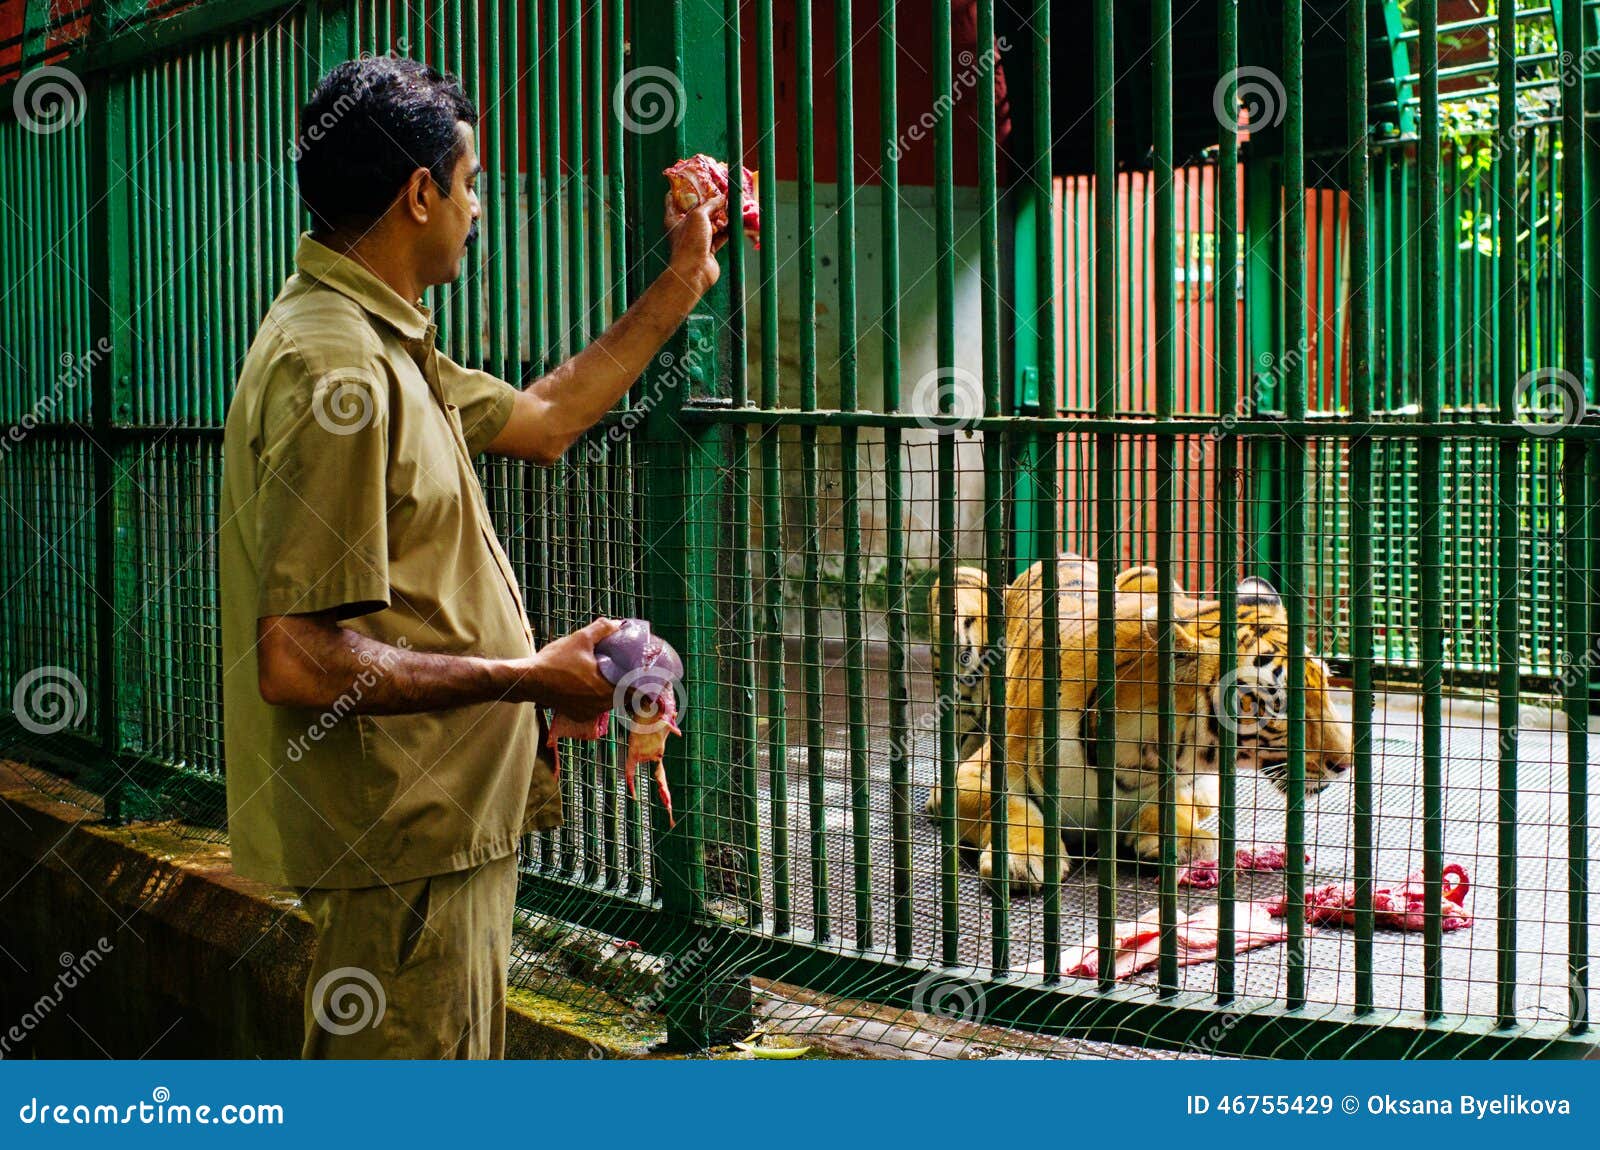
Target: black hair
368,126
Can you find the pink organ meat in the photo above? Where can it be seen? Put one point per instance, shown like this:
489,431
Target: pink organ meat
700,177
1205,874
1402,910
646,671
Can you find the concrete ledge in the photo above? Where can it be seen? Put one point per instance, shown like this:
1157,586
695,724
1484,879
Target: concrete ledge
195,961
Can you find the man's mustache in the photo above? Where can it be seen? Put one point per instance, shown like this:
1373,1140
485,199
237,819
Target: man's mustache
472,234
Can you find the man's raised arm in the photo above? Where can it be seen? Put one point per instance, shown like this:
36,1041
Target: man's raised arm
554,410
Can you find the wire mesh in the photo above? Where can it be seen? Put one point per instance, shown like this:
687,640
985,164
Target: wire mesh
1166,361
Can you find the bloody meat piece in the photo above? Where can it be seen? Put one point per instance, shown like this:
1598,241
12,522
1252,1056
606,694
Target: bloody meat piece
1139,941
1403,909
700,177
645,670
1205,874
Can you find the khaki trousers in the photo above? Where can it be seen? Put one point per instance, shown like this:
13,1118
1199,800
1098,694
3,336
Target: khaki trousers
414,970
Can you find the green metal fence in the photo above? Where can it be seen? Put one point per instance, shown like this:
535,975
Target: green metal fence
904,378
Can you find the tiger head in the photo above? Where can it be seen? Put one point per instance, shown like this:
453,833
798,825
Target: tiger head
1255,696
971,588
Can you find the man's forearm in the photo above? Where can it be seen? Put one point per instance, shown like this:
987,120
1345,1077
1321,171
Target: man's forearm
328,666
579,392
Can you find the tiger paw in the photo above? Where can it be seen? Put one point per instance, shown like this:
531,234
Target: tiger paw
1026,869
1197,844
932,808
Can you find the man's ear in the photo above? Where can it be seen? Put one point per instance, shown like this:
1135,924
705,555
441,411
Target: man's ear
417,196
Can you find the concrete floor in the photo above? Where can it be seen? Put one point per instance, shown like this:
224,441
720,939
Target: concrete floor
1470,835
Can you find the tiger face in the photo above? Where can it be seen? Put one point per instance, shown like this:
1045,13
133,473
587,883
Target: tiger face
1255,698
971,642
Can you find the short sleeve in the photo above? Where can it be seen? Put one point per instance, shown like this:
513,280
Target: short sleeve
322,513
483,401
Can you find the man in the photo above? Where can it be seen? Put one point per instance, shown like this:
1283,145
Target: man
381,683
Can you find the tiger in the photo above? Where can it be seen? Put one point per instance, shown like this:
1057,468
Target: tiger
971,702
1260,681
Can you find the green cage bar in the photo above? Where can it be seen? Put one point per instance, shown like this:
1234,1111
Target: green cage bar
1439,542
1165,319
1106,547
996,457
945,319
1361,471
1430,499
1508,519
747,735
1047,540
555,275
771,489
1225,485
1576,534
1294,458
849,462
811,544
899,684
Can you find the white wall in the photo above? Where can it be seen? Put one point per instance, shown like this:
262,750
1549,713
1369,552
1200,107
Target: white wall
918,356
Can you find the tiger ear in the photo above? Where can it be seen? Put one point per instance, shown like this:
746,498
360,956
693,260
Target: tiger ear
1256,587
1145,581
1185,636
1138,581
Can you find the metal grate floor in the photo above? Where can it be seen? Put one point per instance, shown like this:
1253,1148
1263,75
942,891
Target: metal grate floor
1470,836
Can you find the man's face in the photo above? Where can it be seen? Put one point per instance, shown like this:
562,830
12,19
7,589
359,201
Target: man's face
453,224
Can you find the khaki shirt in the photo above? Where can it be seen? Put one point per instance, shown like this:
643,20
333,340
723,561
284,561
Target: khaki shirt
348,485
